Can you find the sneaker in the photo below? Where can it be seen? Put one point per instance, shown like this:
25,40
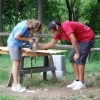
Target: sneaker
18,88
79,86
73,84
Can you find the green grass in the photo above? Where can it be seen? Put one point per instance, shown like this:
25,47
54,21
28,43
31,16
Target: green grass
37,81
11,97
5,66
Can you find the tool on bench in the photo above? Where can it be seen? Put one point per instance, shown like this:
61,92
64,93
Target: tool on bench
32,46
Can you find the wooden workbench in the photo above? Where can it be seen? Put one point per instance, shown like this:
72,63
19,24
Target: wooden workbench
48,64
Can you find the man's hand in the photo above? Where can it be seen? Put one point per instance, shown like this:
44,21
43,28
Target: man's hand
76,56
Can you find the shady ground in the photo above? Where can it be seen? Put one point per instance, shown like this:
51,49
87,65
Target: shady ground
50,90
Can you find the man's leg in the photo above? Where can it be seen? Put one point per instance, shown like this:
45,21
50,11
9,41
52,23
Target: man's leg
81,83
81,72
79,75
76,70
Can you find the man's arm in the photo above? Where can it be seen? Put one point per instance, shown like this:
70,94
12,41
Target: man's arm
48,45
75,46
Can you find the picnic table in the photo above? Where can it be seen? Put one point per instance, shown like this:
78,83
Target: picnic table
48,64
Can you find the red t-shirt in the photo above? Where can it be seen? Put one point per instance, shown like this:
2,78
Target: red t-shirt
82,32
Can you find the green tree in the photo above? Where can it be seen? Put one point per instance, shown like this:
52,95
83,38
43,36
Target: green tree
94,21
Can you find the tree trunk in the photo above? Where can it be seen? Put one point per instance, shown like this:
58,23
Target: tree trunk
40,12
17,11
1,24
69,10
98,1
40,9
73,14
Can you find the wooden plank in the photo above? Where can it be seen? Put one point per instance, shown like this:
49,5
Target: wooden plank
95,49
28,52
10,80
35,70
36,35
51,51
4,48
33,67
4,34
44,51
35,54
4,52
57,46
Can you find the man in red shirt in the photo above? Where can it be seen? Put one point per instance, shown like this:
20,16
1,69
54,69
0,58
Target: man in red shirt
82,39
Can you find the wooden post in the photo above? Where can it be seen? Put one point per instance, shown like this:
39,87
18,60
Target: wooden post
10,80
46,64
51,64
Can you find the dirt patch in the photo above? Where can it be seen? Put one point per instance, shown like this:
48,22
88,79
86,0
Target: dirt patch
91,92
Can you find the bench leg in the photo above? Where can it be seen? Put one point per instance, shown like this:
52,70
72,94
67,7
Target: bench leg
54,76
51,63
10,80
46,63
21,79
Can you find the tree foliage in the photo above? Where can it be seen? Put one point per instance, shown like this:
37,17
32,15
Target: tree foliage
27,9
54,10
90,14
73,9
86,11
95,19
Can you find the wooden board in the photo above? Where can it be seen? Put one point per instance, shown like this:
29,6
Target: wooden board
37,51
52,51
4,48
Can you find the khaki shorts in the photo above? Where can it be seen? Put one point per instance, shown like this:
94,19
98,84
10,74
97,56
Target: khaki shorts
15,52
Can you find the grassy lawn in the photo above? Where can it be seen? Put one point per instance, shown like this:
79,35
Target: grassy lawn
92,66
